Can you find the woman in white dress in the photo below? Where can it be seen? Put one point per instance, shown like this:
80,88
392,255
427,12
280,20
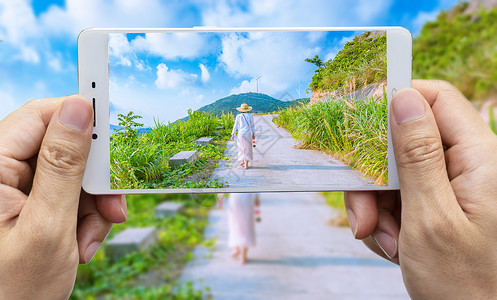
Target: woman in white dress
244,124
241,222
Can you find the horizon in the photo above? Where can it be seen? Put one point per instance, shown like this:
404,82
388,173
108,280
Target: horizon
181,119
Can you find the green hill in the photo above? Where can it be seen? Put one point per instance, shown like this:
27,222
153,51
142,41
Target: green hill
261,103
460,47
362,61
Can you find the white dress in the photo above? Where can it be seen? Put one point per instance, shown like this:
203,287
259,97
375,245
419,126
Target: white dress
244,123
241,221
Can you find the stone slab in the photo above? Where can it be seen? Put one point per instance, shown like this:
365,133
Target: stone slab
217,133
131,240
220,127
203,141
182,158
167,209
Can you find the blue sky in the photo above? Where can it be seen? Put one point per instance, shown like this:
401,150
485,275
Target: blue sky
38,50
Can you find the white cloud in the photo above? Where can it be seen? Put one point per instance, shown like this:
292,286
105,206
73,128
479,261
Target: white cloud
28,54
18,21
245,87
171,46
205,76
55,64
278,59
293,12
121,52
422,18
168,79
367,10
77,15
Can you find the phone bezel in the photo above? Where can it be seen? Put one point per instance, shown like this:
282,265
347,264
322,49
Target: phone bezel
93,60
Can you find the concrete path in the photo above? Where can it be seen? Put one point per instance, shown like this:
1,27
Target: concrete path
279,166
297,256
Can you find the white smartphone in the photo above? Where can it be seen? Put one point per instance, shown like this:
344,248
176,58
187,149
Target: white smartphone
214,110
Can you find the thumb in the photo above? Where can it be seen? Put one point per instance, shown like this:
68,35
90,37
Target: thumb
61,163
424,184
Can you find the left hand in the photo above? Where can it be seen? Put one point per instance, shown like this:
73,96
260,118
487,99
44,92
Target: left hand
47,223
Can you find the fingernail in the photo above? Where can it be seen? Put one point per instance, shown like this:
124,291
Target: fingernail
90,251
124,208
75,114
408,105
386,243
352,221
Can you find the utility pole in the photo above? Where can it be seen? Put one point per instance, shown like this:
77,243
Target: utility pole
298,91
257,81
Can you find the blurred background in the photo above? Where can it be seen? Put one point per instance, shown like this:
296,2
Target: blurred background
453,40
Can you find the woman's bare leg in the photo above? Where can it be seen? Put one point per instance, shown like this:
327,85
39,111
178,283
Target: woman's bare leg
236,252
244,255
246,164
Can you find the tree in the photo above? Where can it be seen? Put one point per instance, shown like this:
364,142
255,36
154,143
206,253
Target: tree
315,60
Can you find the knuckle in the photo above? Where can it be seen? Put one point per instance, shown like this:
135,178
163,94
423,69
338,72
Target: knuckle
421,152
64,158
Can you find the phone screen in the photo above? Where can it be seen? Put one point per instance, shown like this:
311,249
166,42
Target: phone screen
260,110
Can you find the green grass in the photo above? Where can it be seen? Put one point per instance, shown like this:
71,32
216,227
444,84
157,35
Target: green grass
141,162
355,131
177,238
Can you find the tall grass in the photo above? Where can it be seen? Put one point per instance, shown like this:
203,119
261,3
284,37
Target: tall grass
353,130
142,161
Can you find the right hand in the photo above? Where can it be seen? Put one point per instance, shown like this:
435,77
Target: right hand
232,137
442,226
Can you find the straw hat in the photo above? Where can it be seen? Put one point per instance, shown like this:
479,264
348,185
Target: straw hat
244,108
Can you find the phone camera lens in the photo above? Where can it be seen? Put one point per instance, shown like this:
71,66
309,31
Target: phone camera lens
94,136
93,84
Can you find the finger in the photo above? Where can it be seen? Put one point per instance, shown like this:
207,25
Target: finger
424,184
456,118
14,173
362,212
93,228
11,205
61,164
20,139
373,246
112,207
386,235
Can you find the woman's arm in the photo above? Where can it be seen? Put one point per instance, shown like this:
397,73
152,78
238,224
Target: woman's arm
235,127
252,126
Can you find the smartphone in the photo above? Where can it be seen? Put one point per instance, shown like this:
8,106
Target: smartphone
214,110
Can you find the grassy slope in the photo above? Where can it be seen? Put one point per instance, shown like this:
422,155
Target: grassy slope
362,61
460,48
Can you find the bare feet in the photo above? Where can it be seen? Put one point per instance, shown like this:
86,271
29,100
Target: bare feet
235,252
243,259
246,165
